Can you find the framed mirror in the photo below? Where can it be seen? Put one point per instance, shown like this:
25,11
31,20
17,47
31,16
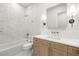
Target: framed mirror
57,17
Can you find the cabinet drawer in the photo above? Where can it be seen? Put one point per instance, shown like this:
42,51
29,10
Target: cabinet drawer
57,52
44,42
60,46
40,41
36,41
73,51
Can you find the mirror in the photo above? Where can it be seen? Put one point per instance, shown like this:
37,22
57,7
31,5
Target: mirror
57,17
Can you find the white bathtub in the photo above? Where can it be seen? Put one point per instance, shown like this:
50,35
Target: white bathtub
11,48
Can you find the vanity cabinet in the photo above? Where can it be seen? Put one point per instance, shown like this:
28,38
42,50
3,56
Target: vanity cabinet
40,47
36,50
51,45
43,47
57,49
36,47
73,51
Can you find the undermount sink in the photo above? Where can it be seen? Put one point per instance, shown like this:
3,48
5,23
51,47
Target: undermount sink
51,37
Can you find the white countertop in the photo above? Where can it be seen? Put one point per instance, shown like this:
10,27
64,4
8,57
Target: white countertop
71,42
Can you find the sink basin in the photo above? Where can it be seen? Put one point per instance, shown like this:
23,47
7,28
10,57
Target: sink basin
51,37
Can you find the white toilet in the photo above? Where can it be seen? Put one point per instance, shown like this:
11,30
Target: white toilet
27,46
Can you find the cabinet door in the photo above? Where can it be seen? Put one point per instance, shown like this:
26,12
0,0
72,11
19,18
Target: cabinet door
36,47
40,47
57,52
44,46
35,51
73,51
40,50
51,48
60,46
44,50
57,49
51,51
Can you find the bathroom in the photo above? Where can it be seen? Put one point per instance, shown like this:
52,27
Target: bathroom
20,23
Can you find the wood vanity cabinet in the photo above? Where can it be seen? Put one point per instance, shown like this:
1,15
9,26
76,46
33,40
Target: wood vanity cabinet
43,47
51,45
36,47
57,49
40,47
73,51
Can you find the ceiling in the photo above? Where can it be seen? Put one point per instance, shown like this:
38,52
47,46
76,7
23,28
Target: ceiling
24,4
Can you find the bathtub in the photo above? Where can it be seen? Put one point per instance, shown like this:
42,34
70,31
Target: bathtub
12,48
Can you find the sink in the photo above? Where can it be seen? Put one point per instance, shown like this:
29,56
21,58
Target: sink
52,37
48,37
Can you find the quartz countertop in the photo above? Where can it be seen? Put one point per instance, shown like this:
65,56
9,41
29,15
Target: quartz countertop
67,41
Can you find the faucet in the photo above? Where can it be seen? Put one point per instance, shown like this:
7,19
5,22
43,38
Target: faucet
55,35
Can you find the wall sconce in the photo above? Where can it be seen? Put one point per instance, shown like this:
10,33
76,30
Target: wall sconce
43,19
72,13
71,21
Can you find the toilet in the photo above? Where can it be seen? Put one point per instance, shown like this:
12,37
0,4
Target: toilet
27,49
27,46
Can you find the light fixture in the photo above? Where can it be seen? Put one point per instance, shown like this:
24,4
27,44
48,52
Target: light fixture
71,14
43,18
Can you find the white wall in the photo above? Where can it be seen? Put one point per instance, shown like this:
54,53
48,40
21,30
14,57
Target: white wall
70,32
16,22
11,22
14,26
32,19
